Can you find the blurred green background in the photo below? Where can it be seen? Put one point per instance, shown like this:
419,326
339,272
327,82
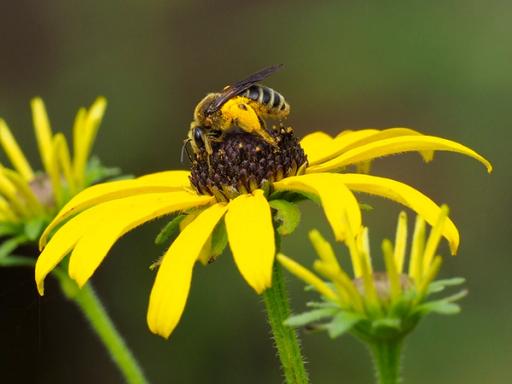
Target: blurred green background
443,68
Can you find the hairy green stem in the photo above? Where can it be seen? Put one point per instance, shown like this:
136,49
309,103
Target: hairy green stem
387,356
287,342
94,311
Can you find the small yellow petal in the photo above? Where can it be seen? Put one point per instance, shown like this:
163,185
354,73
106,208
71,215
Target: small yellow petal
251,238
417,248
334,195
393,146
14,153
172,283
63,158
116,218
307,276
115,190
43,132
400,241
406,195
88,128
10,192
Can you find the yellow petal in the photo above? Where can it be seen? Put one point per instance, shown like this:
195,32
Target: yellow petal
393,146
63,159
14,153
87,126
116,218
307,276
372,135
406,195
115,190
61,244
400,241
43,132
319,146
337,200
251,238
172,283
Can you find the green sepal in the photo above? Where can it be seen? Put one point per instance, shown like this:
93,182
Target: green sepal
287,216
440,285
219,240
385,323
445,306
294,197
342,323
34,228
168,233
306,318
365,207
97,172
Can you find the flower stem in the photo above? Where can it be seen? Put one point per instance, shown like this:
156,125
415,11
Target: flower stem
387,355
92,308
287,342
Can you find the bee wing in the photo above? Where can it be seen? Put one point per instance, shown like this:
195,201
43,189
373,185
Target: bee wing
240,86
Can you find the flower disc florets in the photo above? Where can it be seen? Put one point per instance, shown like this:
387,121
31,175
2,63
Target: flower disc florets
242,162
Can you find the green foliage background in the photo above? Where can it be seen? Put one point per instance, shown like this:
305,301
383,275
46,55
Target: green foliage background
440,67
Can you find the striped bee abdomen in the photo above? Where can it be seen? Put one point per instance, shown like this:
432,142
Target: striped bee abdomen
272,101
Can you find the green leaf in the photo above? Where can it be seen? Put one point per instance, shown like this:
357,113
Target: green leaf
11,244
170,230
305,318
387,322
342,323
440,285
287,215
219,239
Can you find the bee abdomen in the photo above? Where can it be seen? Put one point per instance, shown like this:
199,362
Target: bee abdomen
272,100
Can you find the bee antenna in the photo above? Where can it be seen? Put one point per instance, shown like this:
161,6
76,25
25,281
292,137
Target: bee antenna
184,150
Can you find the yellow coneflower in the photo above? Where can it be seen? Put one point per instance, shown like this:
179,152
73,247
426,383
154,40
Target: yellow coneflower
232,192
27,195
379,308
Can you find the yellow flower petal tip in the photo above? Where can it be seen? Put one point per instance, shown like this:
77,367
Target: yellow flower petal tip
251,238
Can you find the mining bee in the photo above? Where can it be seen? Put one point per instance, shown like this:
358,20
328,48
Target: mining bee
242,105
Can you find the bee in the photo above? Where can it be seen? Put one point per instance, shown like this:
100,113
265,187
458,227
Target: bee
242,105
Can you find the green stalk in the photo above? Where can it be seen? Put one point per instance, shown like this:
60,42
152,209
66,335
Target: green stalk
286,340
387,356
94,311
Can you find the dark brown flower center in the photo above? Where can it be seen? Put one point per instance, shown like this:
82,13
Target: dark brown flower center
243,162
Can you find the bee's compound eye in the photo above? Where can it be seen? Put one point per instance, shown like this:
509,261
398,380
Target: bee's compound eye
197,135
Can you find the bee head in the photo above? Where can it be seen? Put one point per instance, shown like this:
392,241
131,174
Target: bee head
201,113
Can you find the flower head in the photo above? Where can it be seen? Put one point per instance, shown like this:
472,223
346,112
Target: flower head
240,195
376,305
30,199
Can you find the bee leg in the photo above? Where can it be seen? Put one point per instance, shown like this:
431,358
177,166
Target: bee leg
262,131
